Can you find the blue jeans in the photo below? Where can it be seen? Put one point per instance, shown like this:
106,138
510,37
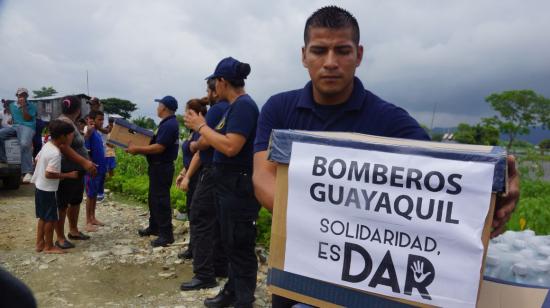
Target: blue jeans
5,133
25,135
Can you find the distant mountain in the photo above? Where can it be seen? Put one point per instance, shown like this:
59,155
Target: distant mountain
536,135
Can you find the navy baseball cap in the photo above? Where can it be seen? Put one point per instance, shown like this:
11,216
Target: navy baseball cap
227,69
169,101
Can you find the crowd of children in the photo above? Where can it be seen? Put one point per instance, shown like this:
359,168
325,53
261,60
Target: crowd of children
48,173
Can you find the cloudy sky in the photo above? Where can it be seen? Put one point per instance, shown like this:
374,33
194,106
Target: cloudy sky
418,54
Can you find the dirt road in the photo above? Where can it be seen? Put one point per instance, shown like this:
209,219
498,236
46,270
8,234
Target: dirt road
114,268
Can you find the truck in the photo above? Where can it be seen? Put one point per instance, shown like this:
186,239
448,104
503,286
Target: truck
47,108
10,170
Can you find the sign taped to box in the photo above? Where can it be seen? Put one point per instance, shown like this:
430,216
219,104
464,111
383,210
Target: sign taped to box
359,215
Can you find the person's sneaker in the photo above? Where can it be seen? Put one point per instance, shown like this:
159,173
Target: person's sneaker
197,284
27,178
100,198
223,299
161,241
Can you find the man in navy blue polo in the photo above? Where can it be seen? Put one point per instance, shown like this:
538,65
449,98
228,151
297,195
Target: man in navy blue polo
336,100
161,154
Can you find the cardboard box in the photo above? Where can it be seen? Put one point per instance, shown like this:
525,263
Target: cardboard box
124,132
503,294
286,279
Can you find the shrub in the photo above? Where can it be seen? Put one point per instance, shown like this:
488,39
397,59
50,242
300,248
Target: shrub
131,179
533,209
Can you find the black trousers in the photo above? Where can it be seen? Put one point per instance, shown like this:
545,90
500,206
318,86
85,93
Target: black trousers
160,211
209,259
237,210
193,181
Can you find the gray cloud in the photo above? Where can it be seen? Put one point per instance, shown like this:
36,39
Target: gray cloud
417,54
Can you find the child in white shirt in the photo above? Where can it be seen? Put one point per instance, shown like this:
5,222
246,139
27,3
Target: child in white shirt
46,180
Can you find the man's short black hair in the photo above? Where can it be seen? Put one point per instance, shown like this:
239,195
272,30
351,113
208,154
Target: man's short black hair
332,17
59,128
95,113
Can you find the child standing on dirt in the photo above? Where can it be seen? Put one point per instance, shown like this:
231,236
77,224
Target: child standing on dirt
110,161
46,180
94,144
110,155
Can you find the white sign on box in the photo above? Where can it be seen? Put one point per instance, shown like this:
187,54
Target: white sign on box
406,226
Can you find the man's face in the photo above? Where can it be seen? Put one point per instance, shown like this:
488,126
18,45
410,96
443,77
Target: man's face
98,122
160,110
331,58
21,98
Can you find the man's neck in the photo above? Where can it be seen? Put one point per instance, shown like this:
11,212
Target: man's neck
332,99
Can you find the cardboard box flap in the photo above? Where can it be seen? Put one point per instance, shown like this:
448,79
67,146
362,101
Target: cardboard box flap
280,148
134,127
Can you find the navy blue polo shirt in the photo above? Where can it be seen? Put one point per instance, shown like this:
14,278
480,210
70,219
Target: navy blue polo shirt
213,117
186,149
363,113
239,118
168,135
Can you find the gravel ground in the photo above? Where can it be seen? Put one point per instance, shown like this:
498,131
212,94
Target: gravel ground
114,268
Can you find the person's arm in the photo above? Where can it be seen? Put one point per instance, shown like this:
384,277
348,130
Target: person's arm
506,204
104,130
263,178
193,167
202,144
229,144
62,175
155,148
71,154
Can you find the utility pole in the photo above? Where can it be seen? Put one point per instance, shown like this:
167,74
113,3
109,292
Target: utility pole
87,83
433,116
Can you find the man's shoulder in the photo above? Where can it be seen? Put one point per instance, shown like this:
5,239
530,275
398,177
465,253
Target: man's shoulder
283,101
170,123
382,107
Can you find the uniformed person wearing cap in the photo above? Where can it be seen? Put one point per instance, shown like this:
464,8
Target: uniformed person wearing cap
161,154
237,208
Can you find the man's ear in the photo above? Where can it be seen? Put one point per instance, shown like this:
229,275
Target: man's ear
304,56
359,55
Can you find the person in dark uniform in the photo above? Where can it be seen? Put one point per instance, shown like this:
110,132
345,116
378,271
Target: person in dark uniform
237,208
209,259
188,150
161,154
335,100
15,293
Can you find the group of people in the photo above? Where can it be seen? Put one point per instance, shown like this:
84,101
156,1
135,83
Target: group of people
70,162
227,174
